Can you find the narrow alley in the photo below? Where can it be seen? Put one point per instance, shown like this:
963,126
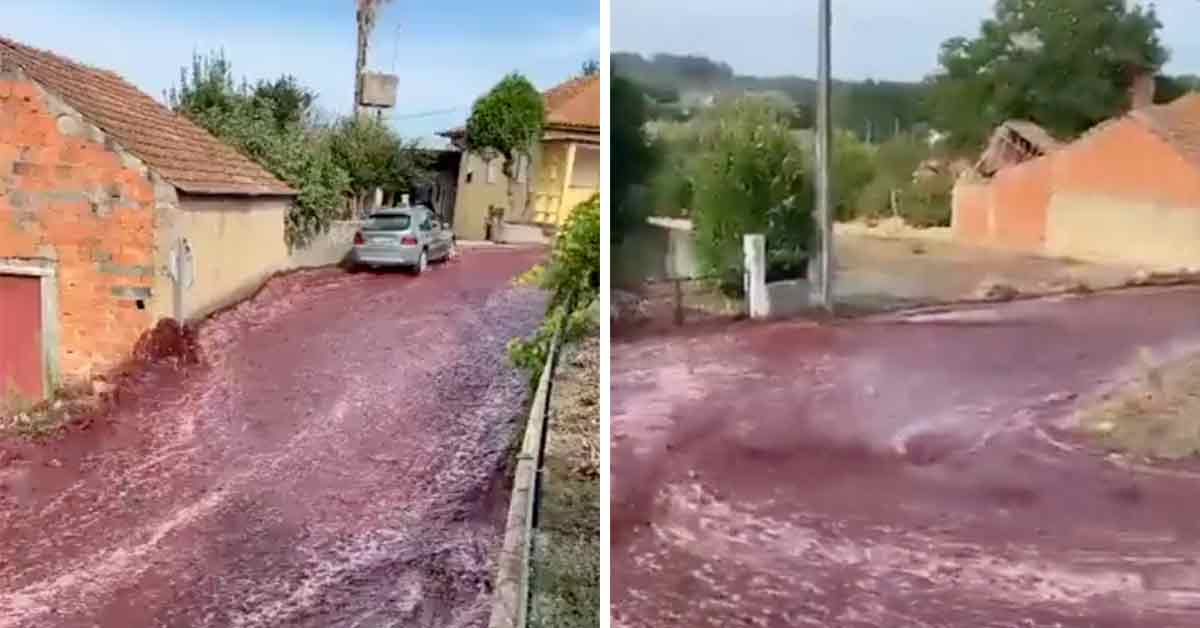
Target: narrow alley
335,461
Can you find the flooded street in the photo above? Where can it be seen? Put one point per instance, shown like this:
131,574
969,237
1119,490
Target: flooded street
898,471
333,462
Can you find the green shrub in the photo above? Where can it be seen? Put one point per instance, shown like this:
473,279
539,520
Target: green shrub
573,278
749,176
854,168
875,200
927,202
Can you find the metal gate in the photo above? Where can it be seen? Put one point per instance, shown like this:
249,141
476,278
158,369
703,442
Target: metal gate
21,368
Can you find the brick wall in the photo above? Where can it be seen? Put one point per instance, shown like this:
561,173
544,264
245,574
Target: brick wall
1009,211
67,194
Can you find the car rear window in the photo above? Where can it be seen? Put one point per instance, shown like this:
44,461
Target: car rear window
389,222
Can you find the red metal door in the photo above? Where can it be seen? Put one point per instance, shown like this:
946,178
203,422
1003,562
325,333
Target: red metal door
20,337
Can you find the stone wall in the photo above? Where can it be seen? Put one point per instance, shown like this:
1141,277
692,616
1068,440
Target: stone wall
72,199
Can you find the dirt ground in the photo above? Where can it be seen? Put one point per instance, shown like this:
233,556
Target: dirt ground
334,461
566,583
899,470
1156,417
876,273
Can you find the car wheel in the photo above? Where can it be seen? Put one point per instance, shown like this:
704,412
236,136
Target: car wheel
422,263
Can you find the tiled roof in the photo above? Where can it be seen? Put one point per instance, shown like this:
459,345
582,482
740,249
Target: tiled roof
184,154
575,103
1035,135
1177,122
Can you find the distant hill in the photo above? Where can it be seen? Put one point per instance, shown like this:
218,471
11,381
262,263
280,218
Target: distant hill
876,108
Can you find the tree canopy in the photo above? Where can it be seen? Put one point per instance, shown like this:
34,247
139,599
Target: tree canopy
271,123
634,157
508,119
1066,65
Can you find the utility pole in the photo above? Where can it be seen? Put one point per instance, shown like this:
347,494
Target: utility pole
824,144
365,18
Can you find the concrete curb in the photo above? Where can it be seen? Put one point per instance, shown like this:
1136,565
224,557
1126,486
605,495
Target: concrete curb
510,607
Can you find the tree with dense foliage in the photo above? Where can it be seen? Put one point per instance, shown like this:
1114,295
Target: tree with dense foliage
633,157
1169,88
749,175
271,123
507,122
374,156
1066,65
591,67
259,123
852,170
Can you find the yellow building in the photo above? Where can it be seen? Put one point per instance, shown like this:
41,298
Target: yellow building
564,170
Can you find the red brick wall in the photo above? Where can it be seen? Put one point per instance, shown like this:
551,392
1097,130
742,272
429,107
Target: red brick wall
1022,197
64,195
1009,211
972,204
1126,161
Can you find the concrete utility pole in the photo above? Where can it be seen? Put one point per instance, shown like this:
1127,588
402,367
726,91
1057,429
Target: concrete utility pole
824,144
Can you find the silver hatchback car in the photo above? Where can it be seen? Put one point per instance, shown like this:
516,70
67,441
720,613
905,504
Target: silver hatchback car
411,237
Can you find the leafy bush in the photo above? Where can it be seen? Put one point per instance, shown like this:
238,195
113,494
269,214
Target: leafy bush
854,167
927,202
672,187
375,156
749,176
573,278
272,123
507,121
634,157
875,200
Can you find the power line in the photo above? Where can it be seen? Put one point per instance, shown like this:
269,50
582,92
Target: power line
427,114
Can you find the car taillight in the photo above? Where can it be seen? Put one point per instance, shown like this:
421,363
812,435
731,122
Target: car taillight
358,238
408,240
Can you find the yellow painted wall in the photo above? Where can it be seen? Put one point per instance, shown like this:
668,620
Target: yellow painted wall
236,244
1104,229
474,198
552,206
548,204
548,188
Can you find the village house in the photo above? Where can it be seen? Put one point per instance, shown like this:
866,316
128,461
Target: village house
1128,191
114,213
565,168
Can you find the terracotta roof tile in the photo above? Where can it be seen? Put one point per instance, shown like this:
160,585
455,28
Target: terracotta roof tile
1177,122
575,103
184,154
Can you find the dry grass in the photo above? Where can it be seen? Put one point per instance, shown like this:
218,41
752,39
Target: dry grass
33,420
575,423
1157,416
566,564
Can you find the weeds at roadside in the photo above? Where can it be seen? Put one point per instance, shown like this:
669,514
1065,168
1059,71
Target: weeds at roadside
25,418
1155,417
566,561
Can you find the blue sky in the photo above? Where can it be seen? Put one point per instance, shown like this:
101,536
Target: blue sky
446,53
879,39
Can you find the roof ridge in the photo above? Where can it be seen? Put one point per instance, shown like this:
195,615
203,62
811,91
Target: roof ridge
200,162
1172,124
12,43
